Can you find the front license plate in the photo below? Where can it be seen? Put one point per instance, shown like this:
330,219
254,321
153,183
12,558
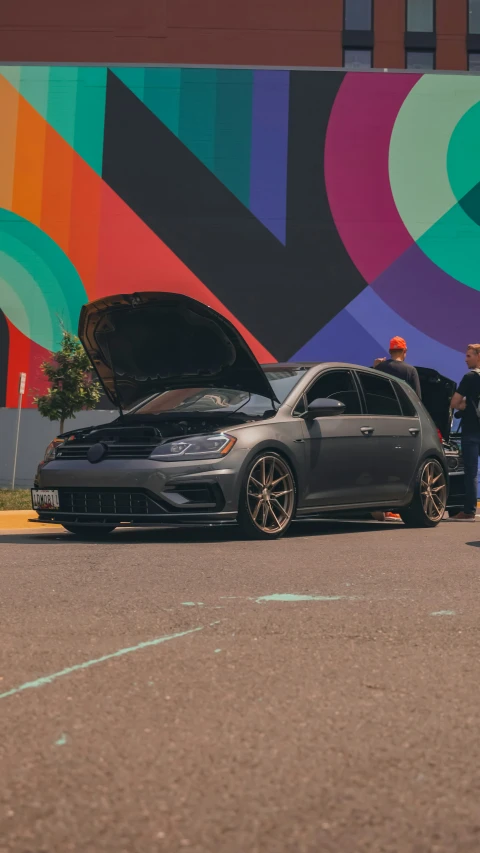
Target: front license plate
45,499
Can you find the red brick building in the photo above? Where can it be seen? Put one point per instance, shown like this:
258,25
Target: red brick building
442,34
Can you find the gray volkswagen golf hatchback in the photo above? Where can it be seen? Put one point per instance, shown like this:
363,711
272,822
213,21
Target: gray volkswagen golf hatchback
206,434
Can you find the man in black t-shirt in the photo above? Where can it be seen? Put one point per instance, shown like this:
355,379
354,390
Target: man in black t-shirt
397,366
466,400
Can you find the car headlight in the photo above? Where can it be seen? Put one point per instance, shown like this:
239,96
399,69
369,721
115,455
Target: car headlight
50,451
195,447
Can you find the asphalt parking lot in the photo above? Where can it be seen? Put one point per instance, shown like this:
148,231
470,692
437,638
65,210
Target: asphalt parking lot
175,690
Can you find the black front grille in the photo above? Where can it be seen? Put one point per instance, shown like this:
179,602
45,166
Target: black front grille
107,502
114,451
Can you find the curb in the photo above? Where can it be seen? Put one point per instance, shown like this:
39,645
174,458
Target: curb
18,519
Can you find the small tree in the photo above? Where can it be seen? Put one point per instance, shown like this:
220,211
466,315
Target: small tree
72,387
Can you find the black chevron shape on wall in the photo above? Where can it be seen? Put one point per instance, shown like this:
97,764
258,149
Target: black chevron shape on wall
282,294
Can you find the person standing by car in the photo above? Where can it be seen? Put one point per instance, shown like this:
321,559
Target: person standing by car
467,401
397,366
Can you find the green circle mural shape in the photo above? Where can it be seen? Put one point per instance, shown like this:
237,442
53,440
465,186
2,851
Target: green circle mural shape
463,162
40,289
435,200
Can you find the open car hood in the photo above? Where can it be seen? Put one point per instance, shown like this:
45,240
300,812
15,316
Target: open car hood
146,343
437,391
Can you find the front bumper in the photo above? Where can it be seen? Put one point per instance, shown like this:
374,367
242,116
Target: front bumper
142,491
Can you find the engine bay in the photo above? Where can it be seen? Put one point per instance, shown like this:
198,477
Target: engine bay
153,429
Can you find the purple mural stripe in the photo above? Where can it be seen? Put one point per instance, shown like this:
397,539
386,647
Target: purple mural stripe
420,291
360,333
268,163
382,322
342,339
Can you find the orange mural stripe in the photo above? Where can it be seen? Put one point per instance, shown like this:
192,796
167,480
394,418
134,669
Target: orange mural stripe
28,180
85,223
8,138
57,188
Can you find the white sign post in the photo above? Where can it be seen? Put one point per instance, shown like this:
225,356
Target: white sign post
21,391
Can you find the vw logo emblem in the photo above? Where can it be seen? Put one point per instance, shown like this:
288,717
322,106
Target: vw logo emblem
96,452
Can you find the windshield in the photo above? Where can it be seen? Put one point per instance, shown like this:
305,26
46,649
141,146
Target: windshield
225,400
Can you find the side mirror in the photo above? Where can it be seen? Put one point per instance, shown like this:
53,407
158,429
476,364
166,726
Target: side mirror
324,407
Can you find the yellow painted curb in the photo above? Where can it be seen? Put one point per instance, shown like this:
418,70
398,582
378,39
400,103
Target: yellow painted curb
18,519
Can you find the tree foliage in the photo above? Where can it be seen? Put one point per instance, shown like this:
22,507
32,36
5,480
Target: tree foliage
72,387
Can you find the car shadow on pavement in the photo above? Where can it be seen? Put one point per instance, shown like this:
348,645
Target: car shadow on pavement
228,533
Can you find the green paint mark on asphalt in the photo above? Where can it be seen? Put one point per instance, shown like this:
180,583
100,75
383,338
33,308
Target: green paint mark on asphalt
193,603
287,596
443,613
47,679
217,651
61,741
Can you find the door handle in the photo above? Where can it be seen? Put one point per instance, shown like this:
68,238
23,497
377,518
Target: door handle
413,431
367,430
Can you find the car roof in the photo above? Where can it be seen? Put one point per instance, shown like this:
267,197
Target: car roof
307,365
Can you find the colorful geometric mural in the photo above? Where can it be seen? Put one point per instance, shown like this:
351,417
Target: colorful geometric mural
322,212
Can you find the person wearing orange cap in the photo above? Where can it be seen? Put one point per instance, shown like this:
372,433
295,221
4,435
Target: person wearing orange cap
397,366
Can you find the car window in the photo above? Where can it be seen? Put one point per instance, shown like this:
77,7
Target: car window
408,409
380,395
337,385
208,399
283,380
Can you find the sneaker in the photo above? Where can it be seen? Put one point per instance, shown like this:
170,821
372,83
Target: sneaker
392,515
464,516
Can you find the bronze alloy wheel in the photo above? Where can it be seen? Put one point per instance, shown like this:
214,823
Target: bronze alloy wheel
270,494
433,490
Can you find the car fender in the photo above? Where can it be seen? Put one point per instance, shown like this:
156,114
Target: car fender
297,463
433,453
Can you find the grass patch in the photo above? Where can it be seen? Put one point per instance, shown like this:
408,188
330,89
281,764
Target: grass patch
18,499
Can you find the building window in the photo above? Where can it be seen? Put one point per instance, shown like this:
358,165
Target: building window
357,58
420,16
421,60
358,15
474,16
474,61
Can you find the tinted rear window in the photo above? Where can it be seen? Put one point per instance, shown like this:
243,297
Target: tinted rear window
408,409
380,395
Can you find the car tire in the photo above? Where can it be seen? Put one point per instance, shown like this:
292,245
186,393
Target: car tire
430,498
268,497
89,531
